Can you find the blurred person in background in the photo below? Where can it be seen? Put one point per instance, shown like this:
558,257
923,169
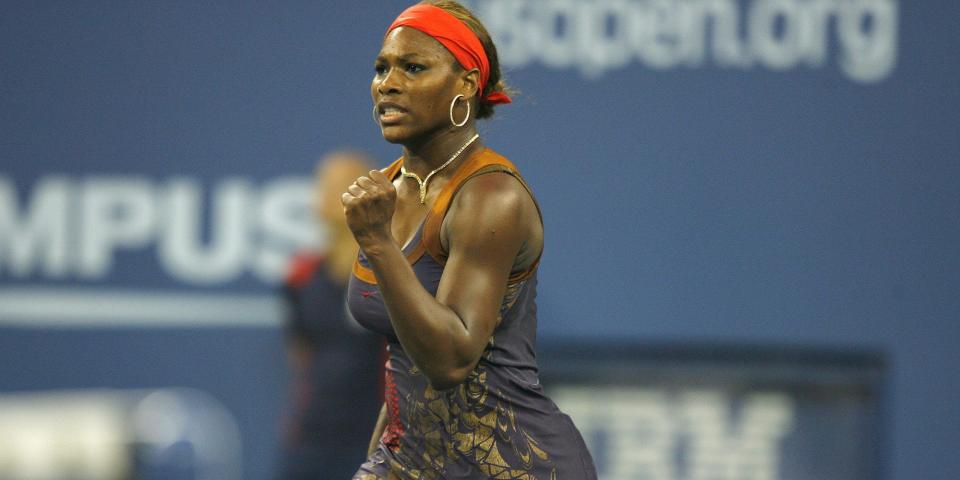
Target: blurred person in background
447,270
336,364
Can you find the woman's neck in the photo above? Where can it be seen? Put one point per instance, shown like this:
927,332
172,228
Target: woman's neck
423,157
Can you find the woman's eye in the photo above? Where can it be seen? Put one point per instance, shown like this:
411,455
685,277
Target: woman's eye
415,68
380,69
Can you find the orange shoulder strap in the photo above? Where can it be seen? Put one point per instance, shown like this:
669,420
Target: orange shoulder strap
393,169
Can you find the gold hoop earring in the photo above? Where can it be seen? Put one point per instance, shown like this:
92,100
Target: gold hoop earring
452,104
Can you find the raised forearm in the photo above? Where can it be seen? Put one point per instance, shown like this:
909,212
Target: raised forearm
432,334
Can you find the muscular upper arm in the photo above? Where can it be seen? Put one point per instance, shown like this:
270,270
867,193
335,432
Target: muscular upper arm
490,221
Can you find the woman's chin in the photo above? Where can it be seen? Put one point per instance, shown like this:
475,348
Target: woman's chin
393,134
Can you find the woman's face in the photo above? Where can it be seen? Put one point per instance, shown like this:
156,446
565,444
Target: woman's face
413,86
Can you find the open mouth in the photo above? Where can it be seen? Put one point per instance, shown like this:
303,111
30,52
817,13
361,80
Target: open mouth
389,113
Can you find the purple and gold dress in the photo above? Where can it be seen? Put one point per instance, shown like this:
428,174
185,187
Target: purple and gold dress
498,423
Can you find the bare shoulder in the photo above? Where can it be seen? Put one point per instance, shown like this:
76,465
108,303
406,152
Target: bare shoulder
493,205
493,190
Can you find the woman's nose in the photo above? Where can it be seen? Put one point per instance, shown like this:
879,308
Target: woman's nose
388,83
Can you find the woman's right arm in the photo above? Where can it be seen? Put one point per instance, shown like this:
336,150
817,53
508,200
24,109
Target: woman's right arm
446,334
378,430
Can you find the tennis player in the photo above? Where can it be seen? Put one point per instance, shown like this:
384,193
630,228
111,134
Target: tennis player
450,239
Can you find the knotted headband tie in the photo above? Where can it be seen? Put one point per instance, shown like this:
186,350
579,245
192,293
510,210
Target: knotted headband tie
456,37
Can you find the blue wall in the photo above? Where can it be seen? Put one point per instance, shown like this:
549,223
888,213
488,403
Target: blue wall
798,205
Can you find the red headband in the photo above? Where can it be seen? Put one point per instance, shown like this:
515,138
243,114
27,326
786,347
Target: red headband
456,37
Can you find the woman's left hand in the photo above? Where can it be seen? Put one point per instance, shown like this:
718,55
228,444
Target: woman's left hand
368,205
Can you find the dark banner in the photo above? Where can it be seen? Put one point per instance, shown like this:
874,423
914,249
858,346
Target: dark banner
719,413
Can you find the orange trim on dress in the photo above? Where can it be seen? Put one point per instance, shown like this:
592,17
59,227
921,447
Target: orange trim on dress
363,273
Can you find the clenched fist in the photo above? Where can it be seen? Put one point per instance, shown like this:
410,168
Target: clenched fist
368,205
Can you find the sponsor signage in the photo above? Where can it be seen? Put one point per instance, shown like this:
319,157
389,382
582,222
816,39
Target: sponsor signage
596,37
722,414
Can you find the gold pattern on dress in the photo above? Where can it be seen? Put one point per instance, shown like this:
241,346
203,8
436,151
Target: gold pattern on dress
469,422
455,425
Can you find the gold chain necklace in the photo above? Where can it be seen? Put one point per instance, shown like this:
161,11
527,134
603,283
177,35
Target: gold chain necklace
423,183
